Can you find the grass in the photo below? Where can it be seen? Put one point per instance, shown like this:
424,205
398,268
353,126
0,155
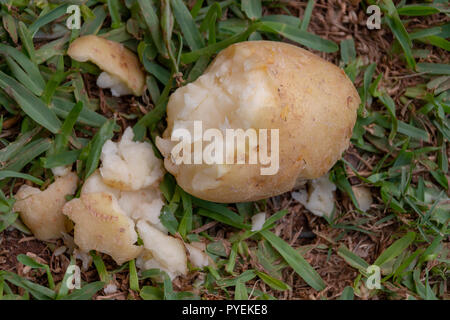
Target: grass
52,114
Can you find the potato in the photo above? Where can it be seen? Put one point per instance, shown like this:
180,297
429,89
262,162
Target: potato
319,198
100,224
197,256
363,196
41,211
122,70
95,184
262,85
166,253
129,165
258,221
119,196
143,204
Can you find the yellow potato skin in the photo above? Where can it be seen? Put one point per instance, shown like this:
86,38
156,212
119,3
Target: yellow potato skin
101,225
42,211
111,57
315,111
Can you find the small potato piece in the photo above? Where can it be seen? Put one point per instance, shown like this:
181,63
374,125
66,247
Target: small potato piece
129,165
197,257
122,67
258,221
143,204
95,184
166,250
263,85
100,224
319,199
363,196
61,171
41,211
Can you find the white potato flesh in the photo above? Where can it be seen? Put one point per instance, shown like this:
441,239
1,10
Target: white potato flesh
142,209
319,199
258,221
240,95
166,251
129,165
100,224
95,184
108,81
197,257
143,204
61,171
41,211
363,197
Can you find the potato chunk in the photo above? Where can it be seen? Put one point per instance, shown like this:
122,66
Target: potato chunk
41,211
143,204
197,256
168,253
100,224
122,70
363,196
129,165
319,199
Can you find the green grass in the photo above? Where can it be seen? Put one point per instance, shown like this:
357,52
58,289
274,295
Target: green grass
60,124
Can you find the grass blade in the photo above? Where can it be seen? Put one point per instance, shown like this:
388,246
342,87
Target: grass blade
12,174
193,56
152,21
417,10
27,41
252,9
295,260
352,259
272,282
303,37
398,29
86,292
62,108
47,18
395,249
96,145
184,19
27,154
307,15
434,68
30,104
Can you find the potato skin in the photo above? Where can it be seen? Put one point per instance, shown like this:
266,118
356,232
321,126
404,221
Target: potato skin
101,225
111,57
315,110
41,211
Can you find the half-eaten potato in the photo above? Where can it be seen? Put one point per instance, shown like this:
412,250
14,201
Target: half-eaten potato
121,68
258,86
